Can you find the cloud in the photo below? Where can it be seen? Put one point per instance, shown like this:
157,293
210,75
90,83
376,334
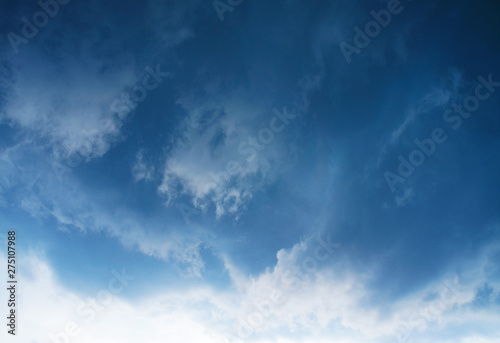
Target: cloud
167,242
30,183
437,98
66,103
102,317
66,97
339,299
325,304
142,170
212,161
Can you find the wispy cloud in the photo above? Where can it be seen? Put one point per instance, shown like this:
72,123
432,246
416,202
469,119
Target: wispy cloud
213,159
142,170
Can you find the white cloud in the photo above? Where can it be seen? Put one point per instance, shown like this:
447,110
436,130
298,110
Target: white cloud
45,196
338,297
326,305
169,242
66,96
200,162
66,102
117,320
142,170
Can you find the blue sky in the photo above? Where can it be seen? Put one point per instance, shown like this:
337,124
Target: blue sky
245,178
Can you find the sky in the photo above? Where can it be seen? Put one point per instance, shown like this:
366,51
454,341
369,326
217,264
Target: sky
251,171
